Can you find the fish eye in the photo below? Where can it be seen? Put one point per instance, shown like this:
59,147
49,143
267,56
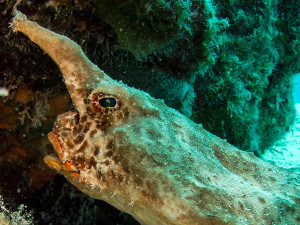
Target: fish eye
103,103
107,102
106,109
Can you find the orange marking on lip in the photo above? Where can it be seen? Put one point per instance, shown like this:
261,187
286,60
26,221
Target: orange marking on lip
69,167
53,138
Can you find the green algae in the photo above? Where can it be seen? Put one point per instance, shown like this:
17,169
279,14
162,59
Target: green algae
145,26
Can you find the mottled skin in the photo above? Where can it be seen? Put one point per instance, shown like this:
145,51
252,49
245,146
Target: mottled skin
149,160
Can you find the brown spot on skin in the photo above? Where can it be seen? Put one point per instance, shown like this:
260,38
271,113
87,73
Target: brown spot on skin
138,181
87,127
125,112
91,163
102,123
272,179
118,115
99,174
96,151
119,179
78,90
108,154
241,206
217,152
79,162
70,144
83,119
88,91
106,162
85,101
92,133
82,147
125,168
110,144
111,174
85,144
77,130
262,201
79,139
116,159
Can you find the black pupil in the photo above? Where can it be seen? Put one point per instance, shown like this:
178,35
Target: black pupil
108,102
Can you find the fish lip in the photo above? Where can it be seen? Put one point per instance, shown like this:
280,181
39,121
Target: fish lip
57,161
61,161
54,139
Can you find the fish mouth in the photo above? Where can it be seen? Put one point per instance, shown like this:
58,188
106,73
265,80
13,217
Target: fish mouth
57,162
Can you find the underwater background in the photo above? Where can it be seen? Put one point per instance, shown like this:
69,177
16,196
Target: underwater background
229,65
297,89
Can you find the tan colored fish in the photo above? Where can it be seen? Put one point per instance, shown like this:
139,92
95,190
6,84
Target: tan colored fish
146,159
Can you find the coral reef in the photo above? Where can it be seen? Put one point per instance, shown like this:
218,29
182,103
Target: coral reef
145,26
20,216
246,96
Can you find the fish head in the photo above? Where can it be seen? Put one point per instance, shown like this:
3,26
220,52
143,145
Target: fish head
101,148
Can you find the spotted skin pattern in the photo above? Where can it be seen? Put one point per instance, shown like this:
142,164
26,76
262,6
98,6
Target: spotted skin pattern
132,151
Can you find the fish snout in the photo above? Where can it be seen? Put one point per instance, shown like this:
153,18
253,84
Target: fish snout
66,121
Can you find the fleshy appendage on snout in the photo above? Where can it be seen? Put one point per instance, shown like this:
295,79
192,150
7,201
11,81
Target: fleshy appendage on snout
63,163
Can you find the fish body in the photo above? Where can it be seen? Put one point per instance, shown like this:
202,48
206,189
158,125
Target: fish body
144,158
